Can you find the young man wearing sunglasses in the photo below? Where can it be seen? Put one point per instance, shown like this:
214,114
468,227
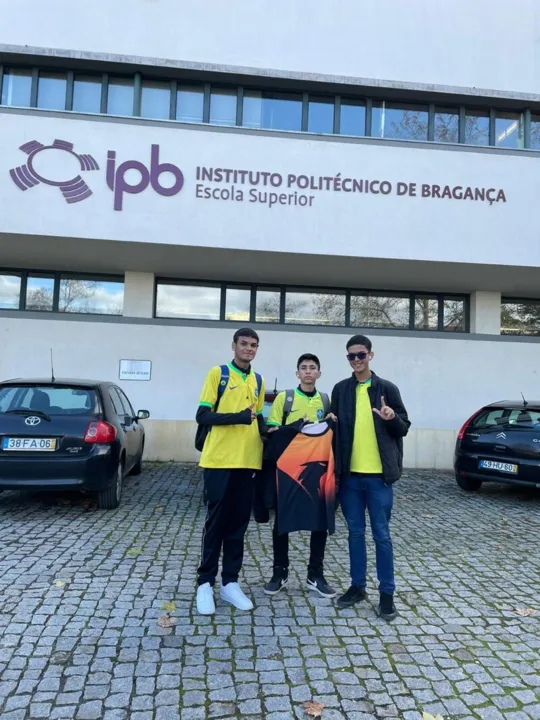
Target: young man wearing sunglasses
372,422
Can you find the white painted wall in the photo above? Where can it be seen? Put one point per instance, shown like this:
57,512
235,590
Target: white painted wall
478,44
443,381
345,223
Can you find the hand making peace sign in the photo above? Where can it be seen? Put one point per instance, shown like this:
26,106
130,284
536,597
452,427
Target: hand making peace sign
385,413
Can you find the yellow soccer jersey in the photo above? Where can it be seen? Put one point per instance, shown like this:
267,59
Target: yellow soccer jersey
303,406
365,452
233,446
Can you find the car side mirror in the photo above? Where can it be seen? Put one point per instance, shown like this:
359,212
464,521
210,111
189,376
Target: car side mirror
143,415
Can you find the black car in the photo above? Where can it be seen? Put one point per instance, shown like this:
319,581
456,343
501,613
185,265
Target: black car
500,443
69,435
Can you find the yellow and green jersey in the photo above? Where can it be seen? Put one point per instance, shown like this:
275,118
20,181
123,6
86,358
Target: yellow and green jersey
233,446
302,406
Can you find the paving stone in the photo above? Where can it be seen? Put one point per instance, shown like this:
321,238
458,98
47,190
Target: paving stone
92,650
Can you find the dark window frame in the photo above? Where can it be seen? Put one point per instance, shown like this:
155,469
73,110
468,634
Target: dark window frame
347,292
362,98
57,276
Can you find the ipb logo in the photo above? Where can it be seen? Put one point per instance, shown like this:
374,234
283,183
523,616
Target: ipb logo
57,165
116,176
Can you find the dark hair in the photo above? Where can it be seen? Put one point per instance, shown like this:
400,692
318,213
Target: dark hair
245,332
308,356
360,340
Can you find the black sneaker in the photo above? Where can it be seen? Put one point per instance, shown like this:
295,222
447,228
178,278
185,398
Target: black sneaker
277,583
387,609
353,595
319,584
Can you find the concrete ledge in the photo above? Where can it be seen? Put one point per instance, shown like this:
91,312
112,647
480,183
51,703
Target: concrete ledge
173,440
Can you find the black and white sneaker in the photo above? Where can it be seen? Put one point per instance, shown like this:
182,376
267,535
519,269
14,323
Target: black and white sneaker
276,584
320,585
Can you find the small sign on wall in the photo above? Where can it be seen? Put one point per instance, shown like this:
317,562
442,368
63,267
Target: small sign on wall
135,370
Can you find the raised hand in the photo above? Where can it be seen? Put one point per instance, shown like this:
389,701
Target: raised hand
385,413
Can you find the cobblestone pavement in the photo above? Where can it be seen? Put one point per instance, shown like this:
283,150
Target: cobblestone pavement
81,592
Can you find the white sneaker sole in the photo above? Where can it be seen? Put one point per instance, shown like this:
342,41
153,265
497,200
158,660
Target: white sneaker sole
313,586
238,607
206,612
275,592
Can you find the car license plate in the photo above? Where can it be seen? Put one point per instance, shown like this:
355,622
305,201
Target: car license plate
29,444
499,466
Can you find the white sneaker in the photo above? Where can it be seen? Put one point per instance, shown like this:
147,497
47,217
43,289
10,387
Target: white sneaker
205,600
232,594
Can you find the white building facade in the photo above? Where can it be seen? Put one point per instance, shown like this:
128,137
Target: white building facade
173,171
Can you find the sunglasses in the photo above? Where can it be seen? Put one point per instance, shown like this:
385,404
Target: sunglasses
355,356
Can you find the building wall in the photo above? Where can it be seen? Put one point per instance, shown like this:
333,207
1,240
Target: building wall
398,218
478,44
442,380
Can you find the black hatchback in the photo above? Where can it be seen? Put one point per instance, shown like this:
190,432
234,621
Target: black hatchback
500,443
69,435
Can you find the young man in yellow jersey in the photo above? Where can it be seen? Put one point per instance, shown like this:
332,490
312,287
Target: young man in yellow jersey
372,422
288,407
230,411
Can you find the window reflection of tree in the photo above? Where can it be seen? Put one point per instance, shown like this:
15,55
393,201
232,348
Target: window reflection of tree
76,295
520,318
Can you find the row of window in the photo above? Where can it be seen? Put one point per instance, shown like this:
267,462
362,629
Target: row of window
74,293
262,109
323,307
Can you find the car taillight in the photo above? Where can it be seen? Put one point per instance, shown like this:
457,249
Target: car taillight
100,432
465,425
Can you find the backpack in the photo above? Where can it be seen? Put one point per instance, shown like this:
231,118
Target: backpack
203,430
289,400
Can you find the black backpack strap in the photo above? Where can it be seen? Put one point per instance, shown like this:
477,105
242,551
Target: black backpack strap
223,381
287,405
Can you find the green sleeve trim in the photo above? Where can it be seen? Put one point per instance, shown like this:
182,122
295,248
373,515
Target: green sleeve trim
260,412
205,404
274,424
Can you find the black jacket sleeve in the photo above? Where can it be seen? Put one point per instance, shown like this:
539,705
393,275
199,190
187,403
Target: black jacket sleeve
399,426
206,416
334,403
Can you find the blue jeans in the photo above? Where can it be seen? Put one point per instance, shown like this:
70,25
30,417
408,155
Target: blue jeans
357,493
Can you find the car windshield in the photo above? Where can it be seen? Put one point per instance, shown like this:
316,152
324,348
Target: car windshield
491,418
49,399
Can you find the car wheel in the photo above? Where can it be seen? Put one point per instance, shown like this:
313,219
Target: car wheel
469,484
137,468
109,499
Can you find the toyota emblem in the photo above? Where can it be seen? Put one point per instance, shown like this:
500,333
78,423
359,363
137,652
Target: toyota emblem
32,420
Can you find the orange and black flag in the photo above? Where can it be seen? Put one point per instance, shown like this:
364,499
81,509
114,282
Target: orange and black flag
305,477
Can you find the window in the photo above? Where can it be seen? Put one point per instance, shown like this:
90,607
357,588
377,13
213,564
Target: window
520,317
53,400
403,121
128,408
17,87
314,308
446,126
82,295
380,311
192,302
477,127
223,107
52,91
268,305
321,115
454,315
87,93
352,118
272,110
156,100
426,313
190,103
535,132
39,293
507,417
10,292
238,304
120,96
509,130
